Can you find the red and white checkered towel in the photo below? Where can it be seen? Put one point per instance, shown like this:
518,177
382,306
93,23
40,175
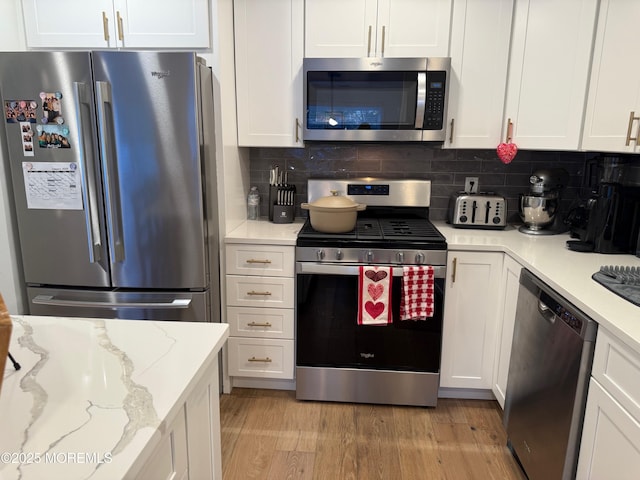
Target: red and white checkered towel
374,295
417,293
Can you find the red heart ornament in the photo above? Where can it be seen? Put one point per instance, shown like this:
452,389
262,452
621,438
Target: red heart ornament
374,309
507,152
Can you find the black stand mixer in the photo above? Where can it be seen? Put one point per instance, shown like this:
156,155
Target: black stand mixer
539,209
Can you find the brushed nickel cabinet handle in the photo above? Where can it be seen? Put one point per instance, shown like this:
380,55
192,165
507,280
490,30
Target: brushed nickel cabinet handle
265,360
258,293
369,43
105,26
451,131
256,324
382,42
455,267
297,130
120,28
255,260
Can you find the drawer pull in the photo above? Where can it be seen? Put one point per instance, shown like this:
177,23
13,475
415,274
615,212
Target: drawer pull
255,324
258,293
253,260
265,360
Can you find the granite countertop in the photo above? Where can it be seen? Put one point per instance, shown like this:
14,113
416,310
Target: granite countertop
546,256
93,396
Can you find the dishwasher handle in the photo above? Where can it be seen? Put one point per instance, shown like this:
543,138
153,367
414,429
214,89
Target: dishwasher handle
546,312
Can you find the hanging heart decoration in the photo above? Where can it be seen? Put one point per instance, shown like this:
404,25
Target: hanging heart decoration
507,152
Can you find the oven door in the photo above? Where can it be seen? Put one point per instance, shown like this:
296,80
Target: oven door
328,334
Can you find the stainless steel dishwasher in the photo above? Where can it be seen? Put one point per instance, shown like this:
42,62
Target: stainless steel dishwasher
551,358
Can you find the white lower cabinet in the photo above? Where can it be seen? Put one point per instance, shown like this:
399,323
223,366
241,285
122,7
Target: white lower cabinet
610,445
509,299
260,310
190,447
471,319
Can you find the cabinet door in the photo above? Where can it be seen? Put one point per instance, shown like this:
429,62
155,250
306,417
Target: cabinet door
410,28
614,89
269,50
340,28
480,35
169,459
470,319
610,446
382,28
164,24
509,299
69,23
548,72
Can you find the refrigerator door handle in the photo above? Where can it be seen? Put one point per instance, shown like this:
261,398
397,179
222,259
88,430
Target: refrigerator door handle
53,301
109,161
94,235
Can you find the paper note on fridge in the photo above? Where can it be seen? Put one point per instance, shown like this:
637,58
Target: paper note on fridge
52,185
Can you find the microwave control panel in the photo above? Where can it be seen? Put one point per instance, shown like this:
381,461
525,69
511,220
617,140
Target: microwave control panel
434,110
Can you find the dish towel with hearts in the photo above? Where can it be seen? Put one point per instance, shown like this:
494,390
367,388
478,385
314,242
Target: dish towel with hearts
374,295
417,293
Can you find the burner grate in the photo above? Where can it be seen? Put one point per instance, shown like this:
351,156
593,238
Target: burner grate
405,228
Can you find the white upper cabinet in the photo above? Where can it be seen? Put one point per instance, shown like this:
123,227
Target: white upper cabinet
116,24
377,28
612,122
548,72
269,49
480,35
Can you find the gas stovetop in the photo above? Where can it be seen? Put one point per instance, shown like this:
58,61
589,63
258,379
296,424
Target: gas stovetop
621,280
409,232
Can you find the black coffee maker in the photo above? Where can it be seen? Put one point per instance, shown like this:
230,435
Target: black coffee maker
608,221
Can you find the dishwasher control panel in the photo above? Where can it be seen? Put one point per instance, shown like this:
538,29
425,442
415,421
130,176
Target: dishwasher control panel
478,210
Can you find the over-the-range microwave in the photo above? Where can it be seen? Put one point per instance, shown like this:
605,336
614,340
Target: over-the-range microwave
376,99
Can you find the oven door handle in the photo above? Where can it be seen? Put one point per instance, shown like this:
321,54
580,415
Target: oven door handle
338,269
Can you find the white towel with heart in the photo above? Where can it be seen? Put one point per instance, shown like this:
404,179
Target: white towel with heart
374,295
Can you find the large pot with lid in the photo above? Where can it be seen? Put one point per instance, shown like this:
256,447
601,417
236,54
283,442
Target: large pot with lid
334,213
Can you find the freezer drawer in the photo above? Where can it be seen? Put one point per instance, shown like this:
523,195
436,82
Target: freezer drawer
182,306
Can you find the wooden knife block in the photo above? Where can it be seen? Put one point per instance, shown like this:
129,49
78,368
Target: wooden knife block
5,337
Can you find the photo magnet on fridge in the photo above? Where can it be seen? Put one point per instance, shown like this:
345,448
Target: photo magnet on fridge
16,111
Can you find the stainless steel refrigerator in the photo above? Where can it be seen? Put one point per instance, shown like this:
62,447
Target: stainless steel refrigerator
111,165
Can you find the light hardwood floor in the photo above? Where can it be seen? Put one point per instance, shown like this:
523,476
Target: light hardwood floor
268,434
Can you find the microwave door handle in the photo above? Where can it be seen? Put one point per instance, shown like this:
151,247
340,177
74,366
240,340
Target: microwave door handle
421,100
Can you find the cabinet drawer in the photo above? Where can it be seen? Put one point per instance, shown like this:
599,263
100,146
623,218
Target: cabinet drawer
262,260
270,292
617,368
260,357
260,322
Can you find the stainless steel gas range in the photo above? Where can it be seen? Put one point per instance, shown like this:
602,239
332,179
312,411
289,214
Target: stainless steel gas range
338,359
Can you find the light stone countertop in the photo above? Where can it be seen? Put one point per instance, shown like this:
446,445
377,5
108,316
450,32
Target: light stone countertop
93,396
567,272
266,232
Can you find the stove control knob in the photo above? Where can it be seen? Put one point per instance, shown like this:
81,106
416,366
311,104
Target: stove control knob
339,254
369,256
320,255
400,257
419,258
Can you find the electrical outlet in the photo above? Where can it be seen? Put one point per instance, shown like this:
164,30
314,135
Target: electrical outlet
471,184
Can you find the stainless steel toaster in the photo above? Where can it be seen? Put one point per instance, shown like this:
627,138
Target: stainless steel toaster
477,210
